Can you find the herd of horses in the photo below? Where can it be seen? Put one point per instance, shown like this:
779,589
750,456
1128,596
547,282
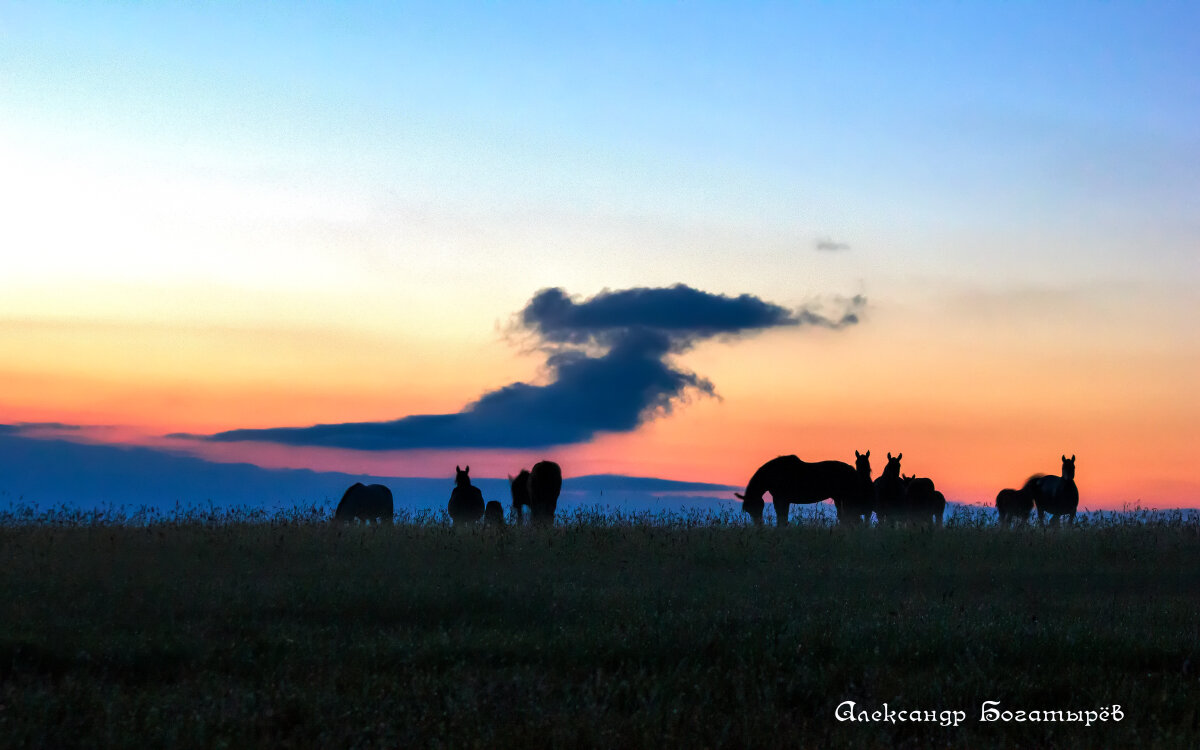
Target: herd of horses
536,489
892,497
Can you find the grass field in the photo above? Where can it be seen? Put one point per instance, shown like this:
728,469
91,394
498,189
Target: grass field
600,632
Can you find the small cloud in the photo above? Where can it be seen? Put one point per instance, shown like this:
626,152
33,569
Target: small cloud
828,245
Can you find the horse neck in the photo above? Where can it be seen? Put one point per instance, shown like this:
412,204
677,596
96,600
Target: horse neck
756,487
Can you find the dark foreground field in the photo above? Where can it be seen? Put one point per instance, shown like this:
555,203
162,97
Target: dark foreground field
596,633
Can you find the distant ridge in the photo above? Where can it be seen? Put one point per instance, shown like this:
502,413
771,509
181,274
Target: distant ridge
52,472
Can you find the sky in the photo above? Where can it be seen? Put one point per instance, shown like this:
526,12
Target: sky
655,239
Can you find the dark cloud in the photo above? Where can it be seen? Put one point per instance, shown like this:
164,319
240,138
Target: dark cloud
681,313
22,427
831,246
633,378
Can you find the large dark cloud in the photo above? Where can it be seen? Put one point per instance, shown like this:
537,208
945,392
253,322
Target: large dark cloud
680,312
631,380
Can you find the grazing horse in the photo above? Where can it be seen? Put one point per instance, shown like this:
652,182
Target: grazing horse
889,491
1055,495
466,501
1013,505
922,502
790,480
365,502
857,507
493,514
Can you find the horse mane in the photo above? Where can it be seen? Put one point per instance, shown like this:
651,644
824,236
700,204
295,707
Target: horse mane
1030,482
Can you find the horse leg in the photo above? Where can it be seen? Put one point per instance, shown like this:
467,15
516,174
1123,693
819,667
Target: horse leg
781,514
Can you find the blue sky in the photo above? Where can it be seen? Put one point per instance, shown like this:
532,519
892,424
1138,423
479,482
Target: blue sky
864,122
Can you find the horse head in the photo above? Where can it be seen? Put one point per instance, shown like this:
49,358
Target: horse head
1068,469
862,462
752,504
893,466
460,477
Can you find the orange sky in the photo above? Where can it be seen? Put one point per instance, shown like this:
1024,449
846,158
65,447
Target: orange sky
964,408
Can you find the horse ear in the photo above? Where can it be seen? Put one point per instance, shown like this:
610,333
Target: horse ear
889,455
456,469
467,470
899,456
867,454
1072,458
1064,456
857,454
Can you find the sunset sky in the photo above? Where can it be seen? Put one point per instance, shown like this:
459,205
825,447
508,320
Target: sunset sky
664,240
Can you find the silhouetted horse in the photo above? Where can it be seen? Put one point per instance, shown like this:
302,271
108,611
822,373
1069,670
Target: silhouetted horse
519,486
493,513
1013,505
466,501
790,480
366,502
545,482
889,491
922,502
539,489
1055,495
857,508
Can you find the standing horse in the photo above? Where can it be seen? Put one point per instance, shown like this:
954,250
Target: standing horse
545,482
1013,505
519,487
889,491
466,501
922,502
493,514
1055,495
538,489
790,480
857,507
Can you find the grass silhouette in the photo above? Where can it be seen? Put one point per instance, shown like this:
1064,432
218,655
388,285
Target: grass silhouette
242,628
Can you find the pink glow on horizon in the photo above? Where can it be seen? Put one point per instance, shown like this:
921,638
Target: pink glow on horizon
609,454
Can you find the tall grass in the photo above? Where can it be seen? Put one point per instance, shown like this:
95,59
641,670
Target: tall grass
242,628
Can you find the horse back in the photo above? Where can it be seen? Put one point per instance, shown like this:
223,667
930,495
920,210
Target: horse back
1053,494
800,481
365,502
